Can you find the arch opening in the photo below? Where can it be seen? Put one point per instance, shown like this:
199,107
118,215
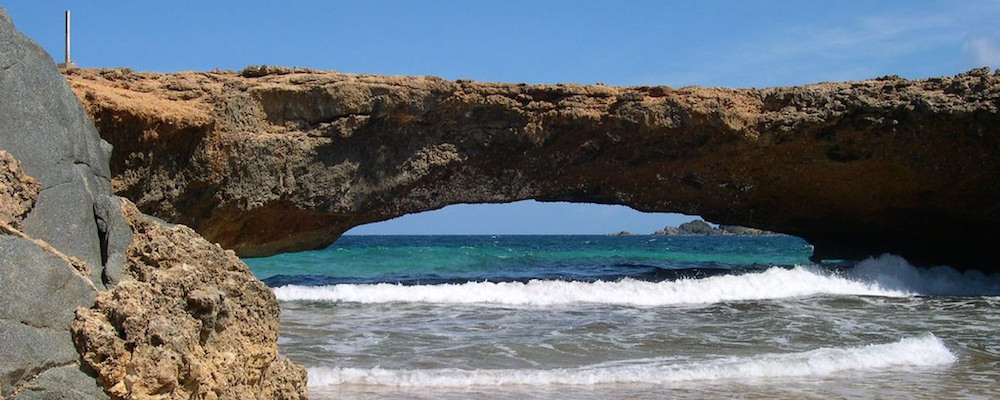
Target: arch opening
527,217
529,240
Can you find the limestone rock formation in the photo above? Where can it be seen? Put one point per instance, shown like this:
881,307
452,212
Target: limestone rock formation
64,241
281,159
188,320
18,192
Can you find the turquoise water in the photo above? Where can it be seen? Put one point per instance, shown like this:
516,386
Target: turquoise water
638,317
577,257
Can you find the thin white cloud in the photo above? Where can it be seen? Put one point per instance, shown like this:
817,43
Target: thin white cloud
861,43
868,36
862,47
984,49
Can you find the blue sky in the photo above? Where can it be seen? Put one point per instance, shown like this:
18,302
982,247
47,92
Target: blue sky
712,43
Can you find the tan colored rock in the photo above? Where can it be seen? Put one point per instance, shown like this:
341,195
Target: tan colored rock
188,320
278,159
18,191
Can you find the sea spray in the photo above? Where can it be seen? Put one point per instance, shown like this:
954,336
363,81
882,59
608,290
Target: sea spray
892,272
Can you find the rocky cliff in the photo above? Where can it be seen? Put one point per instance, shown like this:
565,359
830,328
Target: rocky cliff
97,299
277,159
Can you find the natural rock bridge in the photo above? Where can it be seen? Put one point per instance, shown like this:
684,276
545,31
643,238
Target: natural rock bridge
275,159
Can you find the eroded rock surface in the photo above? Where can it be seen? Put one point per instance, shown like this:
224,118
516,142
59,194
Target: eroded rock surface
65,240
279,159
18,191
187,321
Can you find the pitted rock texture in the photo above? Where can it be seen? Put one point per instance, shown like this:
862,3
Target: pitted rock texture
64,240
18,191
280,159
187,321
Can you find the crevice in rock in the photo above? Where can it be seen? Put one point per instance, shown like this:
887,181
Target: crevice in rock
13,62
35,373
26,383
56,184
102,237
95,171
30,325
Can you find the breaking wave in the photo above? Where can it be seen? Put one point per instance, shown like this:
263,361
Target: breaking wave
920,351
888,276
770,284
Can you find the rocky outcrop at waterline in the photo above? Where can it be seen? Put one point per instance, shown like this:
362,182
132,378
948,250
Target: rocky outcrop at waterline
699,227
188,319
278,159
96,299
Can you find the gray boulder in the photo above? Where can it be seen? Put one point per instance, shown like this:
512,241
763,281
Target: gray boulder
62,235
43,125
29,351
37,288
62,383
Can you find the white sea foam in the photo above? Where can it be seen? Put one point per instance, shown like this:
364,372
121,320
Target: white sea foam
769,284
887,275
920,351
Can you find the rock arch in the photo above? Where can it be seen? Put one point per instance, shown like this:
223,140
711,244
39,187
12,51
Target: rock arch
278,159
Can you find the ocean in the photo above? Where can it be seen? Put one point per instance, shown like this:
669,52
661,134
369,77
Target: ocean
629,317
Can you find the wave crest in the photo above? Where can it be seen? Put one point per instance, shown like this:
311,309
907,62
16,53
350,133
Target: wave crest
769,284
926,350
887,275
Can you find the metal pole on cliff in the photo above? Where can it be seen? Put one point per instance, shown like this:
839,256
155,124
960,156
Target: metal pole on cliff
67,37
69,62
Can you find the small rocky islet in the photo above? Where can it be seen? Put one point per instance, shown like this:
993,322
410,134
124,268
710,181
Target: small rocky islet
699,227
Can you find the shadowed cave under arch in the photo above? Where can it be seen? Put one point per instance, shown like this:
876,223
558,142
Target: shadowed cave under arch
278,159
